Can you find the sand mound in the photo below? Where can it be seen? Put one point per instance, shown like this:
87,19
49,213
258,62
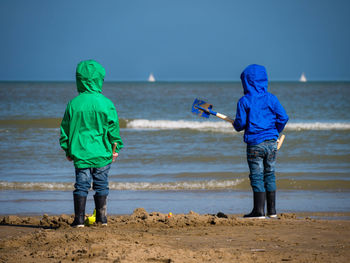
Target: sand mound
141,217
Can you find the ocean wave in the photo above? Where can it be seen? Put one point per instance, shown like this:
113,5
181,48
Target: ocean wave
31,123
145,124
178,124
39,186
318,126
146,186
184,185
225,126
210,185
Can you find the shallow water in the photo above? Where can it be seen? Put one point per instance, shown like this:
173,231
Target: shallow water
170,153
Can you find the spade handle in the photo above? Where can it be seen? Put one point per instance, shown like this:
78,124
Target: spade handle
224,117
280,141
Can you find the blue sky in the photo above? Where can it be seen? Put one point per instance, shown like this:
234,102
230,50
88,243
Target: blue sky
182,40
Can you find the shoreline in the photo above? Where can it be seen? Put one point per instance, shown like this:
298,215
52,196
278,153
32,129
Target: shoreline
191,237
322,215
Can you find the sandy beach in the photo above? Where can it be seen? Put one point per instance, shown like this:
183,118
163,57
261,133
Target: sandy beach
156,237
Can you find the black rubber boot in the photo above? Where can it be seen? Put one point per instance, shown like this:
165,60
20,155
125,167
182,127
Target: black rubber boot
101,209
259,206
79,211
271,204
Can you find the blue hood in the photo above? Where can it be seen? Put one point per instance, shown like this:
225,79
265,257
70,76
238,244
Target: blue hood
254,79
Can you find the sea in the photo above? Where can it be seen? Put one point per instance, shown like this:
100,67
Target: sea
175,161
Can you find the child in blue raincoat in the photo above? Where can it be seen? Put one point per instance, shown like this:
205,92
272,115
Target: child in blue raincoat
262,117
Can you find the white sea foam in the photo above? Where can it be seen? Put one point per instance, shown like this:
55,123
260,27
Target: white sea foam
179,124
318,126
34,186
184,185
221,126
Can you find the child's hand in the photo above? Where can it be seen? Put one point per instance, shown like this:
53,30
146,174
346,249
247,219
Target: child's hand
115,156
69,159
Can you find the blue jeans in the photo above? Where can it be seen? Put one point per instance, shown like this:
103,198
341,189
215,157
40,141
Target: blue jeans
261,161
98,175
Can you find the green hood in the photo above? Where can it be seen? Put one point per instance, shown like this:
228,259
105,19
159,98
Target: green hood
90,76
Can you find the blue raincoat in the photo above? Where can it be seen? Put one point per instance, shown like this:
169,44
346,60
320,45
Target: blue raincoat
259,113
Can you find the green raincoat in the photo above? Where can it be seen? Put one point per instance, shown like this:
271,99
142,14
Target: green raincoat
90,124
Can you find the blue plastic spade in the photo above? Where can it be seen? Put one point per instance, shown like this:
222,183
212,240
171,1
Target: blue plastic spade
204,109
201,108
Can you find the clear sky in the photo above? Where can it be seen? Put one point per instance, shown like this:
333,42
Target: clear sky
177,40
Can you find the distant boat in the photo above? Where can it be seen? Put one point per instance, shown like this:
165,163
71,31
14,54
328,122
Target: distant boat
151,78
302,77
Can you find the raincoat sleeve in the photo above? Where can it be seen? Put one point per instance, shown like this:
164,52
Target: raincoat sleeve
281,116
113,129
64,139
241,117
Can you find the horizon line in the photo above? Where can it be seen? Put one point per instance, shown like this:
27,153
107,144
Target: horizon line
176,81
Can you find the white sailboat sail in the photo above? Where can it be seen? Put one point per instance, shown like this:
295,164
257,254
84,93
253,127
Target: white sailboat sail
151,78
303,77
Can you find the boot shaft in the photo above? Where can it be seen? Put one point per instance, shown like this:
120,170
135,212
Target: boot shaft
271,204
259,206
101,208
259,202
79,210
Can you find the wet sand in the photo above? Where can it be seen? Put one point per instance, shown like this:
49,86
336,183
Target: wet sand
156,237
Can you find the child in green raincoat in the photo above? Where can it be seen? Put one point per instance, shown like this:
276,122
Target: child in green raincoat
89,130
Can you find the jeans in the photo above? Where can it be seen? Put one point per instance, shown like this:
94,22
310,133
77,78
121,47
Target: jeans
261,161
98,175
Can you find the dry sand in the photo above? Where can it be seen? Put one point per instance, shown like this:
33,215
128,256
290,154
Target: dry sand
154,237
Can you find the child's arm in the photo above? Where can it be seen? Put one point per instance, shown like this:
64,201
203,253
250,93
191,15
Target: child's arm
115,155
113,130
64,140
241,116
281,116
